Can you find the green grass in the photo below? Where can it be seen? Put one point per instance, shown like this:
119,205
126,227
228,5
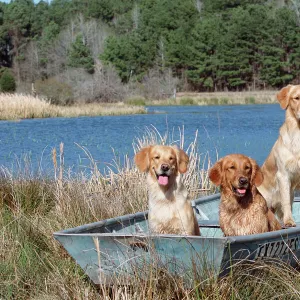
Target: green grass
249,100
224,101
186,101
136,101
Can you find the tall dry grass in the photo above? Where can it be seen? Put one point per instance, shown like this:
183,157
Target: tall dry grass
18,106
32,207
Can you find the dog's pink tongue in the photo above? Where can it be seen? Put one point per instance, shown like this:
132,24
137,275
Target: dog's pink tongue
163,180
241,191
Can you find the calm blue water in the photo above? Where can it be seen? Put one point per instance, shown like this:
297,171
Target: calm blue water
247,129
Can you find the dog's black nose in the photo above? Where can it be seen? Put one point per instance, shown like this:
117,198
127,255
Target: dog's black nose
165,167
243,180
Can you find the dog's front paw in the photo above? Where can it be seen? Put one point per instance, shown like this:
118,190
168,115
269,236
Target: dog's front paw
289,223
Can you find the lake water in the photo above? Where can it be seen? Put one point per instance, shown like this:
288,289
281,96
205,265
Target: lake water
247,129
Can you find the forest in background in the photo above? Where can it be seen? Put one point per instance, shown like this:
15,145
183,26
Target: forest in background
109,50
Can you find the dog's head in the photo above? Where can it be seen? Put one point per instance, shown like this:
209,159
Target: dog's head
162,162
289,96
237,174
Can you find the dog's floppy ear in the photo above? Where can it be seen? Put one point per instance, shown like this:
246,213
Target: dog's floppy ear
183,161
257,176
215,172
282,96
142,159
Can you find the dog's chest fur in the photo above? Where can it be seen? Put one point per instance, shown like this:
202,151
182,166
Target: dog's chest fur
168,209
242,219
288,156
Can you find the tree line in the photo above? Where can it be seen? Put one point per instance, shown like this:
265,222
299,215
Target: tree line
101,50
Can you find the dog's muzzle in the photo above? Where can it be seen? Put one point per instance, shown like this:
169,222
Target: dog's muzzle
163,177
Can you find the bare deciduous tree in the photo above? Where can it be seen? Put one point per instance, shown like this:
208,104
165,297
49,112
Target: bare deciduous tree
135,16
102,86
157,84
296,8
29,66
198,5
55,54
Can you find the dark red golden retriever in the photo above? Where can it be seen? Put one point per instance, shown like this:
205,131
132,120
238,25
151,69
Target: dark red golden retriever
243,210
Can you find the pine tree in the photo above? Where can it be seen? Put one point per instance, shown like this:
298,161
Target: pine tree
203,48
80,55
280,52
131,55
240,46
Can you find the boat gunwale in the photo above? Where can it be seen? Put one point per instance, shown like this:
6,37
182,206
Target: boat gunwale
137,215
140,236
75,231
283,233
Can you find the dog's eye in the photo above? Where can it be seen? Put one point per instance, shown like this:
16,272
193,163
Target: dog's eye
296,98
171,158
156,157
247,168
232,168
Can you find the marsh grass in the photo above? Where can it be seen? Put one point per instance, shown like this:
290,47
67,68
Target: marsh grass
18,106
219,98
34,266
186,101
138,101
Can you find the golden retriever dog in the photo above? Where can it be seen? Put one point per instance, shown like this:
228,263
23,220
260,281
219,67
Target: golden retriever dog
243,210
282,167
170,212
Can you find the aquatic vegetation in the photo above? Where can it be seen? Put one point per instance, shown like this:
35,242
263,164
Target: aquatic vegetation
19,106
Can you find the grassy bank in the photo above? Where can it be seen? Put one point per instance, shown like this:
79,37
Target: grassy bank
228,98
216,98
34,266
18,106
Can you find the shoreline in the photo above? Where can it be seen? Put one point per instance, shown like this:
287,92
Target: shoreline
209,99
218,98
19,106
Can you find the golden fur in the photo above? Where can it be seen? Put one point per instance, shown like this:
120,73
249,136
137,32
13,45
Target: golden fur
282,167
170,212
243,210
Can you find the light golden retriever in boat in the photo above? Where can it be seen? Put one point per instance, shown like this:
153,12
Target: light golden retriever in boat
170,211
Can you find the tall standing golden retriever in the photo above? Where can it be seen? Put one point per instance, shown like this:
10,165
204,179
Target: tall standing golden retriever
282,167
170,211
242,209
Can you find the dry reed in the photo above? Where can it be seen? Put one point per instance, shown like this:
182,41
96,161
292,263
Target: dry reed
18,106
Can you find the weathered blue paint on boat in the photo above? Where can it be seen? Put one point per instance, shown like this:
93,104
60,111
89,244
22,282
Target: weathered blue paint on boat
122,247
